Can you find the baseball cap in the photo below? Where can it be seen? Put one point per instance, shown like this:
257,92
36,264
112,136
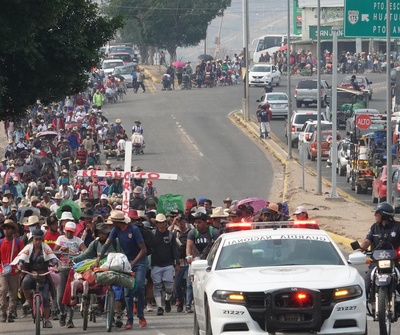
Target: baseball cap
103,197
300,209
201,216
70,226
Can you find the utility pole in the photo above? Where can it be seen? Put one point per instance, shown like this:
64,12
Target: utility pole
319,172
289,88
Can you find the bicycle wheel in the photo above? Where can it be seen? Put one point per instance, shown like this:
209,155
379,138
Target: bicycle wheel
85,312
37,313
92,308
109,307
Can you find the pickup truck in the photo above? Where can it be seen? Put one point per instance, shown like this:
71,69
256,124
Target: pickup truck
306,92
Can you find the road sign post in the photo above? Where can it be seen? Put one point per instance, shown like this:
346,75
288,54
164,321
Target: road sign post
367,18
363,121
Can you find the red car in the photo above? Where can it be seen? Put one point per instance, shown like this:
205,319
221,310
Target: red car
326,138
126,58
379,185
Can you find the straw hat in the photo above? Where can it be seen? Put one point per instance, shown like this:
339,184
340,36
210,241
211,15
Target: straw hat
218,212
118,216
32,220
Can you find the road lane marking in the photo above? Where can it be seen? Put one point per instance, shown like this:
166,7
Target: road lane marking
188,137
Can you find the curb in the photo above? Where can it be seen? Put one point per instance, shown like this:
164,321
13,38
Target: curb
343,240
149,75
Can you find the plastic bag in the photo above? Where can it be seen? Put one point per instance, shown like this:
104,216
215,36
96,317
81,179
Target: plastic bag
117,262
7,268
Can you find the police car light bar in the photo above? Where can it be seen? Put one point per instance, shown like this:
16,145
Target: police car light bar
311,224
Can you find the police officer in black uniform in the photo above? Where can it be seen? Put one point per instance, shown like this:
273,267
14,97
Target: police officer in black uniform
383,234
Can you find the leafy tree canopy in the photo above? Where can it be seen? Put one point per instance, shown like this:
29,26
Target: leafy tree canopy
47,49
169,24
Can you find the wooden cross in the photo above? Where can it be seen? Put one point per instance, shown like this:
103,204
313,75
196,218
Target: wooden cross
126,176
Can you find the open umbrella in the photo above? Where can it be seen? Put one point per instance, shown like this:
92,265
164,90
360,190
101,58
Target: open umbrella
283,48
256,203
43,160
76,211
206,57
72,125
47,134
26,168
178,64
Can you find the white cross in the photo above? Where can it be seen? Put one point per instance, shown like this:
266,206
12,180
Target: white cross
126,176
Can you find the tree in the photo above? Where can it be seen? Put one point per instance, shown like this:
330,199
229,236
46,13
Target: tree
48,47
170,24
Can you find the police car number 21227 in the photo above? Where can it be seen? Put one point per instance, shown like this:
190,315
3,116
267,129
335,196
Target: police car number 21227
285,280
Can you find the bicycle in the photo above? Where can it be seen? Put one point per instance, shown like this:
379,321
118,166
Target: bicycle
37,300
109,308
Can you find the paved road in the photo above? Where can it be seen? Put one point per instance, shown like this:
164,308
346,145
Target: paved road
188,133
169,324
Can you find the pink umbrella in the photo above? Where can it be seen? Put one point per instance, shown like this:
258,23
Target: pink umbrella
256,203
47,133
178,64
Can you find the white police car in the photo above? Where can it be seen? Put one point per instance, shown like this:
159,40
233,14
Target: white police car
286,280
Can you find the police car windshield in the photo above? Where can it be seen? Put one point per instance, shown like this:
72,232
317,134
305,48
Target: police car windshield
280,250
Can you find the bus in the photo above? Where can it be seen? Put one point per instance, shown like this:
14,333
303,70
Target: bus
270,44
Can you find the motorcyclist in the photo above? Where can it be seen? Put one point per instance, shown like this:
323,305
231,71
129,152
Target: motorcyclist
383,234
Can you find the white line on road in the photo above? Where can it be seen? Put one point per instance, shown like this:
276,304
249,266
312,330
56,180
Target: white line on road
188,137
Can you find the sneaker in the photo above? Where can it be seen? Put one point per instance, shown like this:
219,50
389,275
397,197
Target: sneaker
180,308
62,320
128,325
160,311
70,324
47,324
54,316
189,309
11,318
142,322
118,322
3,318
149,308
167,306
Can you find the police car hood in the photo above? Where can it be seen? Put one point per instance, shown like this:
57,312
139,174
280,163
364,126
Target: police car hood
269,278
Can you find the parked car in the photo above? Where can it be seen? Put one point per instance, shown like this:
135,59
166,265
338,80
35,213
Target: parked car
262,73
125,72
362,82
299,118
306,92
379,184
126,57
278,103
309,127
343,156
108,66
324,146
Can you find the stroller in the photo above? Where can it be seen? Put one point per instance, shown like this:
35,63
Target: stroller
166,82
137,144
111,95
186,83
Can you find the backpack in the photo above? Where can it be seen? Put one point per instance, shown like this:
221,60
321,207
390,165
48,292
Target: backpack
182,243
148,238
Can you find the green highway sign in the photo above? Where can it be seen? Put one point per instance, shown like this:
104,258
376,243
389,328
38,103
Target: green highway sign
326,33
367,18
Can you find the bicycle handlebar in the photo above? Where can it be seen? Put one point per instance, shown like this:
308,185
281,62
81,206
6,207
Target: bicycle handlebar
35,274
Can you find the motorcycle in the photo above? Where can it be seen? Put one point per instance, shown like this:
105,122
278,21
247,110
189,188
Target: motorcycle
383,301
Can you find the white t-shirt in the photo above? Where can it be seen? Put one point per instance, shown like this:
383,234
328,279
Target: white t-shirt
72,244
